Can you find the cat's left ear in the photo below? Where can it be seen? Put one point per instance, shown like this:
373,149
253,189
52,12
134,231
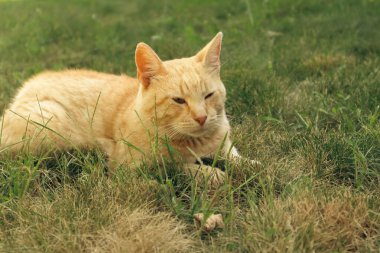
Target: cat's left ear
210,54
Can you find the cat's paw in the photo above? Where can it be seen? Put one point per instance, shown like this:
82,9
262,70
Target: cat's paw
212,222
241,159
214,177
255,162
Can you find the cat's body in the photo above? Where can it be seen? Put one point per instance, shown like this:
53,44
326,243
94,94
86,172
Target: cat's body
179,100
80,106
172,105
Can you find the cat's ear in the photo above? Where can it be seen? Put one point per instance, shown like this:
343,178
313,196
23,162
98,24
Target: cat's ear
210,54
149,65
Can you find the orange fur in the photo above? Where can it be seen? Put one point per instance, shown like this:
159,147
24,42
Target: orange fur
123,115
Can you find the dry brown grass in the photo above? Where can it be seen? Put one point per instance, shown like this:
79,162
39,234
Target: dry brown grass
97,218
313,221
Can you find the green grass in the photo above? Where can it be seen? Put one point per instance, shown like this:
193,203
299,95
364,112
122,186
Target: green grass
303,82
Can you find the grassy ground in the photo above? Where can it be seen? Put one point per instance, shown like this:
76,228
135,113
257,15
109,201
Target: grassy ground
303,80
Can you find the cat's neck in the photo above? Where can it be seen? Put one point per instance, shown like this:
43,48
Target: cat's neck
203,145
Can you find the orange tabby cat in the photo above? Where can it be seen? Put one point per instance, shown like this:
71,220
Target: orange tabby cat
181,99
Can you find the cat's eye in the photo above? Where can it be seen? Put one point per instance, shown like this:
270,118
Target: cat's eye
209,95
179,100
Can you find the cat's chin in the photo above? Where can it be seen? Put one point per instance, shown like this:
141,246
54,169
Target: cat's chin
204,131
193,134
199,133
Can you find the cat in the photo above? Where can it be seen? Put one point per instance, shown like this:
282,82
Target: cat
180,100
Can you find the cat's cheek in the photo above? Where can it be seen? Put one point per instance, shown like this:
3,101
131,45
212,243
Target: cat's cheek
215,110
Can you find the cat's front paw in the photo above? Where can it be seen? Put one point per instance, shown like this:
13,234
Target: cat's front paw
212,222
214,177
255,162
241,159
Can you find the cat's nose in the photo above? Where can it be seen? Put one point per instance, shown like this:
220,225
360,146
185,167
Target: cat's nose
201,120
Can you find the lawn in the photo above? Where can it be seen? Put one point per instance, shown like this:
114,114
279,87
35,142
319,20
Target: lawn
303,83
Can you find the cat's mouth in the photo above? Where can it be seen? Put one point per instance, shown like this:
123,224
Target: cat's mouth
196,133
184,131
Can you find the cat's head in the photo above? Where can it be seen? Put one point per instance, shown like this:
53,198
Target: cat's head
184,96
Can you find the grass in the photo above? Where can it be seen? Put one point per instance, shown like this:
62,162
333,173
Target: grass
303,82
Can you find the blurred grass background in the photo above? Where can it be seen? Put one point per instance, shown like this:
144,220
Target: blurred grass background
303,82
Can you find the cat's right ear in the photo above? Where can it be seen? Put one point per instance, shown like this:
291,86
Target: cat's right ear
149,65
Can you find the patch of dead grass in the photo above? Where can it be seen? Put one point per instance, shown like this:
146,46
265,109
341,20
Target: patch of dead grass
92,218
309,221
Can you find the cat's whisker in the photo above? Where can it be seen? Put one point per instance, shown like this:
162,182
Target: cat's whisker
173,134
219,115
169,132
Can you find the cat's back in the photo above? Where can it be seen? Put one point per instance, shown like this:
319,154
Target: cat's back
76,84
80,105
82,76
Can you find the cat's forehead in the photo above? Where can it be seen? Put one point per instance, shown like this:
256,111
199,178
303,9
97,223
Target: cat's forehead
183,66
188,76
